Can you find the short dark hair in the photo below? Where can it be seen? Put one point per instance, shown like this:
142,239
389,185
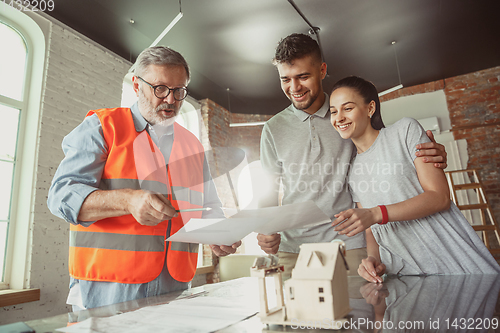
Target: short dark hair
368,91
296,46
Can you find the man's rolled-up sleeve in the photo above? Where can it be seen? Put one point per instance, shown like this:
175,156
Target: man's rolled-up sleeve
80,171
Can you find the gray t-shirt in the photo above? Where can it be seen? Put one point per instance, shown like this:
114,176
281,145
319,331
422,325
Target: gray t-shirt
441,243
311,159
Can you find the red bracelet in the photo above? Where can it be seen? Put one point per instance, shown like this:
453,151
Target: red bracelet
385,216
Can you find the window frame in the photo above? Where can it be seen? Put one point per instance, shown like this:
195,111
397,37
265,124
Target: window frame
21,106
18,250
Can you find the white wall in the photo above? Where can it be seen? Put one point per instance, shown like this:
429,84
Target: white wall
80,76
421,106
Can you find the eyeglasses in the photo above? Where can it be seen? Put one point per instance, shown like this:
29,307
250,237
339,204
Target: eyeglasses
162,91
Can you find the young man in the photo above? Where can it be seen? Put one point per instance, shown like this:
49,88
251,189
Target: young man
300,149
125,174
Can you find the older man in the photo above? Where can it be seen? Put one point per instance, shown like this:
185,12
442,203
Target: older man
300,149
125,175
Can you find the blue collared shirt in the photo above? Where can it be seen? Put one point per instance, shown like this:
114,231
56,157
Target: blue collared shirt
79,174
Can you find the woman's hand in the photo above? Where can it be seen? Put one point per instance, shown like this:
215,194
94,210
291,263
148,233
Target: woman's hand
353,221
371,269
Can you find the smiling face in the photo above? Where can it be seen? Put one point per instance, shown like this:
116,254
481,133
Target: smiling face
155,110
301,83
350,113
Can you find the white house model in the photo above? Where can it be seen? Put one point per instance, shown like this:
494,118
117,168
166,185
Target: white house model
318,287
317,290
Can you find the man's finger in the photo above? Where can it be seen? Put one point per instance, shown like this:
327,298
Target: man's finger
227,249
433,159
268,238
163,198
430,135
430,145
149,220
269,243
441,165
215,249
218,251
271,250
155,216
165,207
430,152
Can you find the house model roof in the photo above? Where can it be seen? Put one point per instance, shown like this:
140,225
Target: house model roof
317,261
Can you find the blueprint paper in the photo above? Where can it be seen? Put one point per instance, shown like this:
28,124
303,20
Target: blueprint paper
196,315
294,216
213,231
220,305
265,221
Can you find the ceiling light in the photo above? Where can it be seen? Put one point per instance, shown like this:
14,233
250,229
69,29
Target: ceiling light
167,29
164,32
256,123
385,92
400,85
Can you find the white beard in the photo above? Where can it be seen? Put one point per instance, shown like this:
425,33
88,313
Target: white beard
151,116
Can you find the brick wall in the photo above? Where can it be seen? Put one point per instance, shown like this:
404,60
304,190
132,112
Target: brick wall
248,137
215,139
222,138
228,145
69,92
473,103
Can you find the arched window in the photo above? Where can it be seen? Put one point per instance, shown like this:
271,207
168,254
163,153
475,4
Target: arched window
13,59
22,60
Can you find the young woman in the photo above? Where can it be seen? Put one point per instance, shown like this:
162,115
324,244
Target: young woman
411,226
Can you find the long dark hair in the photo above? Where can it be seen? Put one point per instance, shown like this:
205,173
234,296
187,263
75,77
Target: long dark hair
369,93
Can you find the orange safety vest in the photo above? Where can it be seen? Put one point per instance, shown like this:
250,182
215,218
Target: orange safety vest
119,249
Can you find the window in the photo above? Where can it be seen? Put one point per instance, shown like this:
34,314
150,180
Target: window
12,86
22,68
